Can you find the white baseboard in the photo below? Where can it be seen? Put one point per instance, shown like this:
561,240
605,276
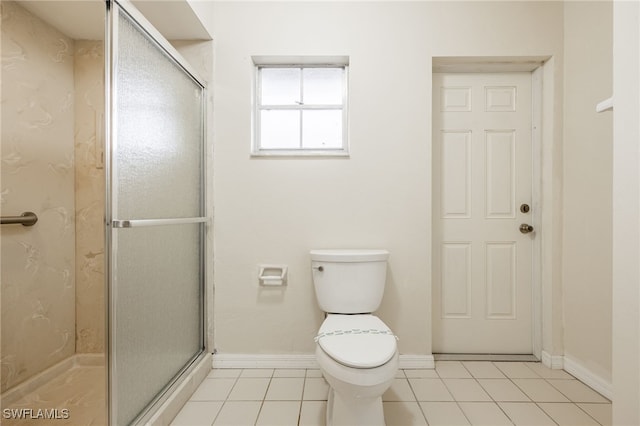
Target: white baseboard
263,361
300,361
409,362
586,376
555,362
579,371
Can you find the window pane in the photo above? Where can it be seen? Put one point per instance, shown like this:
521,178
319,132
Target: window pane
280,86
322,129
323,86
279,129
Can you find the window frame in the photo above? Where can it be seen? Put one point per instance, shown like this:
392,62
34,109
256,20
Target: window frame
258,151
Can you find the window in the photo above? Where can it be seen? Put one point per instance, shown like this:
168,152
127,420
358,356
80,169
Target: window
300,109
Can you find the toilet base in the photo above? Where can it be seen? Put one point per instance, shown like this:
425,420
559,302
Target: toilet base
355,395
354,411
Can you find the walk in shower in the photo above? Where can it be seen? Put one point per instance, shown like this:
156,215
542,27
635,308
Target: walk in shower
103,135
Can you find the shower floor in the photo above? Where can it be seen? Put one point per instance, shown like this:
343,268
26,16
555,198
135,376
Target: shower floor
79,390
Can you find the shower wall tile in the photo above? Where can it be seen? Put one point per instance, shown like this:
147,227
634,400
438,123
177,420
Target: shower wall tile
38,263
89,147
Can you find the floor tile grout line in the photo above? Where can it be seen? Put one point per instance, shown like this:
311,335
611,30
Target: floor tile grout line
538,376
530,400
556,389
579,381
226,398
264,397
403,375
304,385
518,387
462,411
458,402
586,412
570,401
545,412
496,403
411,387
535,372
562,393
454,399
416,398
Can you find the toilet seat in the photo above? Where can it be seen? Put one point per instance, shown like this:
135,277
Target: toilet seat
357,341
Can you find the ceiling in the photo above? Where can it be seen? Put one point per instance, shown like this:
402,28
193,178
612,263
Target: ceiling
84,19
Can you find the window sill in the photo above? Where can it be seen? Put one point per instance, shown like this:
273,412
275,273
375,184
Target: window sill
296,153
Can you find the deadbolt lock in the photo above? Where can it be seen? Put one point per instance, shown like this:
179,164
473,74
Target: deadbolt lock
524,208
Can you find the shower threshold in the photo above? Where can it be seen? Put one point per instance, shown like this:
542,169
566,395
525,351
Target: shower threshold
75,396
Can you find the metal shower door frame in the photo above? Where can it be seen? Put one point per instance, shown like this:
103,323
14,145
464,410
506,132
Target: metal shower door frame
112,223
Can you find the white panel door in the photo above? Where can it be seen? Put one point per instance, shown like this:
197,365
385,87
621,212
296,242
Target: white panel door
482,294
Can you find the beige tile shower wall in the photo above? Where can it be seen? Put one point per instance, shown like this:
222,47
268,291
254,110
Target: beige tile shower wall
38,286
89,143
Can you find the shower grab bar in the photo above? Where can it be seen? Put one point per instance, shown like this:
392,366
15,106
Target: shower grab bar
136,223
25,219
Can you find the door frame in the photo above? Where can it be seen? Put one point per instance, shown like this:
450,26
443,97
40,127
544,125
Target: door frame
541,68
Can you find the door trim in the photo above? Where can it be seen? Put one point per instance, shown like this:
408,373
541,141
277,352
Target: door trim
541,200
536,196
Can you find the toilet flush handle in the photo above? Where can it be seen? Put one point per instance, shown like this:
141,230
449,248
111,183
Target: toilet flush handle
318,268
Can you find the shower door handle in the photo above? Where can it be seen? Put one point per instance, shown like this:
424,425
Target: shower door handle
136,223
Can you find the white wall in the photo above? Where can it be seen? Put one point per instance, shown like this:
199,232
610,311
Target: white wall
587,187
626,214
275,210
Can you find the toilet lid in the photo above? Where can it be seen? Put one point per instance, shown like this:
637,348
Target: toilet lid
359,341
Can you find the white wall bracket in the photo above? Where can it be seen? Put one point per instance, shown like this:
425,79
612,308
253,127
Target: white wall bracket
606,105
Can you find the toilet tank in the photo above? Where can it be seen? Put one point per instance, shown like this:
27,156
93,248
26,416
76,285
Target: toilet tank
349,281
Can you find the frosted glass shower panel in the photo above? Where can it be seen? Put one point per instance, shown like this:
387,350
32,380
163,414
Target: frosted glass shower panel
156,217
157,313
158,131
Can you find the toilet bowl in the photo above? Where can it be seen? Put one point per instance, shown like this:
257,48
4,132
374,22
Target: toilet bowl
356,351
358,357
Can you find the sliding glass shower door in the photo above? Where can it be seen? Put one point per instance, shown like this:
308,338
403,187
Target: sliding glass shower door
155,214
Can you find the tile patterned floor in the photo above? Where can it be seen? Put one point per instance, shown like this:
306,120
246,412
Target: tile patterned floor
455,393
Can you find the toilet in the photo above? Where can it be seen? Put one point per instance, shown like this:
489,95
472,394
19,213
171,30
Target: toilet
356,351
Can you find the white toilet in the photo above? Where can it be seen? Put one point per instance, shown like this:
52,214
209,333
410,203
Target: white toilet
356,351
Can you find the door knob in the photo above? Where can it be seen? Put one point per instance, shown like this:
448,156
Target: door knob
525,228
